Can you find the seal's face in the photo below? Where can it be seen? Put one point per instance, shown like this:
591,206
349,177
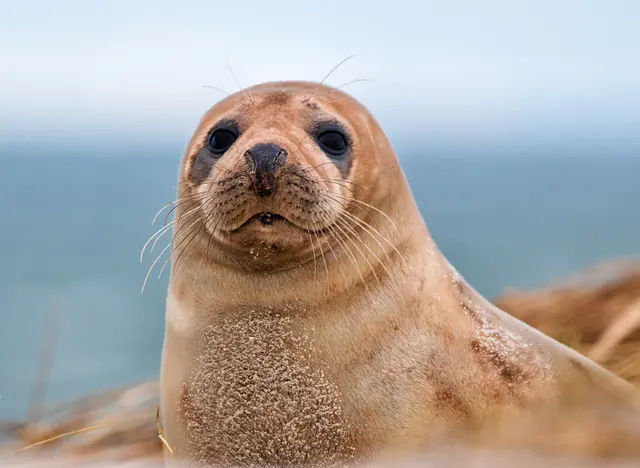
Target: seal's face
272,170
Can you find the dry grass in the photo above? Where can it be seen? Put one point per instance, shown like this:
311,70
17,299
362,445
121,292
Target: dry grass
598,314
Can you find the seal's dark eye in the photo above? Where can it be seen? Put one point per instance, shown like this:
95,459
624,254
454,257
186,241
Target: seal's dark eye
221,140
333,142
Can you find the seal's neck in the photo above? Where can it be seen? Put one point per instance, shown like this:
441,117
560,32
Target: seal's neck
378,255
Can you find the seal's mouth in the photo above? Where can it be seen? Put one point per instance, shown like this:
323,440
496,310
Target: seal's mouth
265,219
269,220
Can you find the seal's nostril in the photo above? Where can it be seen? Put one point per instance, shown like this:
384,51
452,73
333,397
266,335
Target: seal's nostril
280,158
251,161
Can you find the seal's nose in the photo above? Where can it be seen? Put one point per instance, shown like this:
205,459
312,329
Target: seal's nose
264,159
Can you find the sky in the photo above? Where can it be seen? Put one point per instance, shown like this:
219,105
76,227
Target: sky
475,71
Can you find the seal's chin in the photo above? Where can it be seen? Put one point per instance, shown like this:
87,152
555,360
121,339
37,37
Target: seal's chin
269,241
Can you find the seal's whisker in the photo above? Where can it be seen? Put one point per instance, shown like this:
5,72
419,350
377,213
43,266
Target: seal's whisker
192,198
349,238
366,228
344,98
310,169
244,91
334,235
359,80
175,202
324,217
162,209
146,278
349,199
173,223
313,252
218,224
367,205
179,232
339,184
345,222
190,202
326,267
167,228
206,254
191,234
346,247
207,220
168,259
352,257
301,174
217,89
331,72
188,209
167,206
194,236
371,228
159,233
342,182
354,235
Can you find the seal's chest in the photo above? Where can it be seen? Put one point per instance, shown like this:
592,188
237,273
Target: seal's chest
254,398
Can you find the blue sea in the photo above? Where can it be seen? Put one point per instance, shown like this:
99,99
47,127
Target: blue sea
73,225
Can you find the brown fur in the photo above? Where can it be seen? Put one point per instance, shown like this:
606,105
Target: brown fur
327,340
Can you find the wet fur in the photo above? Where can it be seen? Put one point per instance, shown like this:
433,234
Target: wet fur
326,342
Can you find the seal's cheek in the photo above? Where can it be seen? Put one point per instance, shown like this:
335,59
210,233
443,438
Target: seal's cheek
202,166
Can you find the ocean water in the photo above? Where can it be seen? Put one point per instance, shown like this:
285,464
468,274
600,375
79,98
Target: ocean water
73,227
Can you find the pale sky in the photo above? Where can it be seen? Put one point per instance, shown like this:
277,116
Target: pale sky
476,69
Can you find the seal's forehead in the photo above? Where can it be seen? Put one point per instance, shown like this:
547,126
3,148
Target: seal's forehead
291,95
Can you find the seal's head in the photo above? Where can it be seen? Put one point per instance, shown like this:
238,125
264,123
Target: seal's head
279,171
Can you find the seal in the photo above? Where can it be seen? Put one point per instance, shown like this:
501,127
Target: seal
311,320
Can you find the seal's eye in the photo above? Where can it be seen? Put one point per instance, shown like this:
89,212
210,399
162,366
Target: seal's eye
221,140
333,143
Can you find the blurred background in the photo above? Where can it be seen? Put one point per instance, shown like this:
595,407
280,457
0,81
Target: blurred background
516,123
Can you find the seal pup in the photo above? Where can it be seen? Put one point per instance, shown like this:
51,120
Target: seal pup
311,320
